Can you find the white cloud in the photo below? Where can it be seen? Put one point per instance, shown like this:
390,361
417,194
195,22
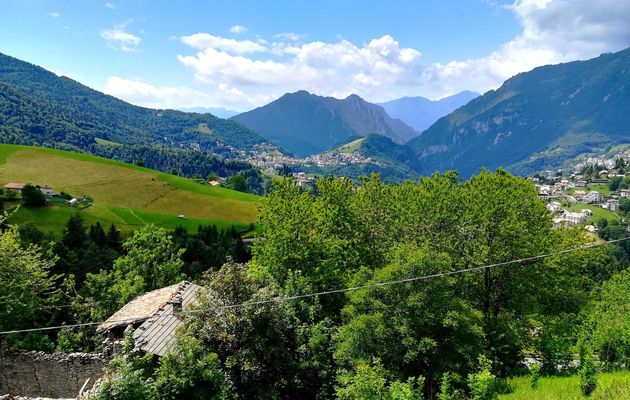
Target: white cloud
341,67
554,31
246,73
294,37
207,41
118,38
54,14
110,6
238,29
144,94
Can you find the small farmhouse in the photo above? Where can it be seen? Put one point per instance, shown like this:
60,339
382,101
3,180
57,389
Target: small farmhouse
15,187
154,318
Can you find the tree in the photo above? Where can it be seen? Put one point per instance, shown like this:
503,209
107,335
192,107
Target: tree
74,234
253,342
114,239
238,182
97,235
26,284
608,327
370,381
33,197
151,262
416,328
613,184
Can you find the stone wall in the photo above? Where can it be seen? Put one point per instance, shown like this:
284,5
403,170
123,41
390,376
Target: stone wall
57,375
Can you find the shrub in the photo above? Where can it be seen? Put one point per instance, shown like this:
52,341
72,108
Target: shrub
483,383
588,377
447,391
33,197
535,376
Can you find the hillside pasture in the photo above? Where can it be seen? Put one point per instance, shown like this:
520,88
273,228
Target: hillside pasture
124,194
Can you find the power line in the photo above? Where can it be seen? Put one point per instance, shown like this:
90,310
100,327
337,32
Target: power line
342,290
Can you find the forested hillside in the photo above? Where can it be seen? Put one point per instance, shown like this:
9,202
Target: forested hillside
535,120
40,108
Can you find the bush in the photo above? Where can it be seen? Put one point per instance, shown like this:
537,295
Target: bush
482,384
33,197
535,376
588,377
447,391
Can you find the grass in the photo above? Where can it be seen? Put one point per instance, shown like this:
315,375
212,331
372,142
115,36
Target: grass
350,147
599,187
107,142
598,212
614,385
124,194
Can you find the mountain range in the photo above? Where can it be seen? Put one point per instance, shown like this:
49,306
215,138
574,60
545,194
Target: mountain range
39,107
420,112
536,120
306,124
220,112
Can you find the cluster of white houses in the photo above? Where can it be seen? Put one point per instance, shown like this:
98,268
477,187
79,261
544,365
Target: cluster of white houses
576,191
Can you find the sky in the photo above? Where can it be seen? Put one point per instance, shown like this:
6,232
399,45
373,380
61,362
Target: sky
243,54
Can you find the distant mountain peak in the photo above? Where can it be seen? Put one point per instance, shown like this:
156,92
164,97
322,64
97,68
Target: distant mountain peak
420,112
307,124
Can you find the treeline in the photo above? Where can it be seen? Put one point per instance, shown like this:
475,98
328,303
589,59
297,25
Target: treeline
41,109
450,335
76,278
188,164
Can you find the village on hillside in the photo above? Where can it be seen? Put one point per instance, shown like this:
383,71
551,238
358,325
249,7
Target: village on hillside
267,157
594,189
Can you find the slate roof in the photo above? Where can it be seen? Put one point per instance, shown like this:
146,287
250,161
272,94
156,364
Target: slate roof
146,306
157,334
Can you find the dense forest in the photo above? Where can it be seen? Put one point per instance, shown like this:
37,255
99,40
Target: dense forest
40,108
448,336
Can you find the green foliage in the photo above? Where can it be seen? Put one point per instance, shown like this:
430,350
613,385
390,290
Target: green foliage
447,390
607,327
151,261
238,183
125,381
26,284
534,375
417,328
69,340
370,381
187,372
482,383
33,197
588,376
255,343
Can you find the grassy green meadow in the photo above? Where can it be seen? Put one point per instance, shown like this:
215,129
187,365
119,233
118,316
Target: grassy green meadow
598,212
124,194
610,386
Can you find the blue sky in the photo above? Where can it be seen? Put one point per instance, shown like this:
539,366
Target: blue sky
242,54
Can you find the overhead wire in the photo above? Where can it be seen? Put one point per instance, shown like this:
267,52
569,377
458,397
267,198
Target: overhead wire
341,290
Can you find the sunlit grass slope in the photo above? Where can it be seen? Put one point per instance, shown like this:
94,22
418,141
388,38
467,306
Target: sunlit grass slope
124,194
